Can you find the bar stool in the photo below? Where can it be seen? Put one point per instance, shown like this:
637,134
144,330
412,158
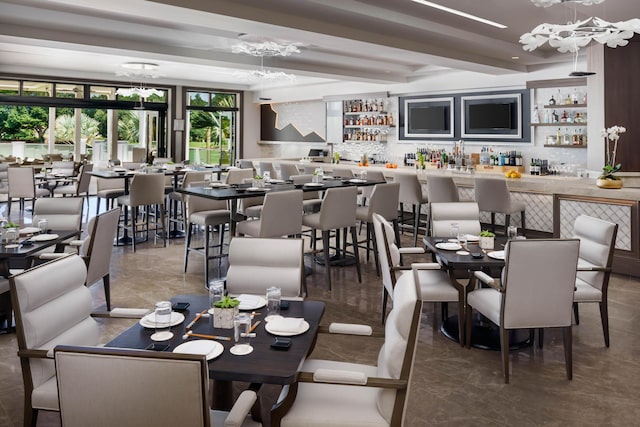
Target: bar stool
22,185
492,195
109,190
177,201
366,191
287,170
268,167
442,189
411,192
281,216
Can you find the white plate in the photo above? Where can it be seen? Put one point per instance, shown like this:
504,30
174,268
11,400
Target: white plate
11,246
357,181
44,237
256,189
276,181
218,185
251,302
149,321
313,184
209,348
304,327
448,246
29,230
496,254
472,238
241,350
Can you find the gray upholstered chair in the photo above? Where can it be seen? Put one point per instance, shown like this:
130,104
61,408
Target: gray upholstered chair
268,167
465,214
281,216
342,172
147,190
372,175
331,393
22,185
109,190
256,264
237,176
287,170
442,189
536,291
411,192
338,211
246,164
383,201
52,306
61,213
206,213
597,245
177,200
138,389
492,195
64,167
79,188
311,200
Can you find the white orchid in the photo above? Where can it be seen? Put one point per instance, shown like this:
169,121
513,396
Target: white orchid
611,134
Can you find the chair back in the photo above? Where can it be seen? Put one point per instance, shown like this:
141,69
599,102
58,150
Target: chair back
287,170
245,164
147,189
492,195
258,263
466,214
162,160
442,189
98,245
281,214
64,167
21,182
109,184
85,179
388,252
62,213
410,187
597,244
131,165
539,278
52,306
301,179
384,201
395,359
338,208
268,167
344,173
194,176
237,176
131,387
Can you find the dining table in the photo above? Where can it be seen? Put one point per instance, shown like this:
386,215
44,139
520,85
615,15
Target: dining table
264,365
460,265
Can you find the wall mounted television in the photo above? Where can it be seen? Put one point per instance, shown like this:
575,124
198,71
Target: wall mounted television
492,116
426,118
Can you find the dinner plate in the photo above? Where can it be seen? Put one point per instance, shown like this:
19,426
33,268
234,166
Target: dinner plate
357,181
271,327
251,302
276,181
218,185
496,254
149,321
472,238
313,184
209,348
448,246
44,237
256,189
29,230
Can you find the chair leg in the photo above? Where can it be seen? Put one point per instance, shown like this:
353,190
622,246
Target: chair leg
134,219
504,349
493,222
576,313
187,245
327,258
507,221
402,216
354,241
9,207
368,240
468,314
207,230
416,223
540,338
384,305
462,321
163,221
524,222
605,321
375,251
106,282
567,339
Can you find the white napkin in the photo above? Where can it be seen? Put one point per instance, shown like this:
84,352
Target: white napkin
129,312
248,301
286,325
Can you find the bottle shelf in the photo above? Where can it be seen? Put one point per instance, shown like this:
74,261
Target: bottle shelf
365,113
367,126
559,124
565,146
560,106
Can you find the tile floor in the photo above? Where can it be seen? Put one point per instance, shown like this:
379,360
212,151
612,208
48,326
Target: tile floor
450,386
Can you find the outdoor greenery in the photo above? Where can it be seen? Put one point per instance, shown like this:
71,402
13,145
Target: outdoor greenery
66,124
23,123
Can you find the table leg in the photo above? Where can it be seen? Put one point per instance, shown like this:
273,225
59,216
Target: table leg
125,239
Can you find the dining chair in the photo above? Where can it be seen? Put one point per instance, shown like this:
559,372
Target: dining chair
109,190
411,191
287,170
132,388
64,167
465,214
597,246
372,175
338,211
237,176
492,195
22,185
281,215
147,191
258,263
442,189
61,213
311,200
177,200
535,291
246,164
79,188
342,172
268,167
333,393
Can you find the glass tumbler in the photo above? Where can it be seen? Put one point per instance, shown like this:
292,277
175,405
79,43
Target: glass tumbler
512,232
242,334
216,291
274,295
454,230
43,225
162,320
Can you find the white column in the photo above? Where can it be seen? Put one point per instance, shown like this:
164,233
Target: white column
77,135
52,130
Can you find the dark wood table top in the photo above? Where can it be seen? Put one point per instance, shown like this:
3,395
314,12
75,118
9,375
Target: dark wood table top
452,260
25,251
263,366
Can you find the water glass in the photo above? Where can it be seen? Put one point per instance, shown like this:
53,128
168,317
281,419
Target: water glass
274,295
241,334
216,291
462,239
11,235
454,230
266,175
512,232
162,320
43,225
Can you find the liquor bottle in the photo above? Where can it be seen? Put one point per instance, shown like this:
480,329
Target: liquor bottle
574,97
390,119
568,100
552,101
535,117
555,117
563,119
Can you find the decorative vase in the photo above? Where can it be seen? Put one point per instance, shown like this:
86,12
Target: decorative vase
609,183
223,317
486,242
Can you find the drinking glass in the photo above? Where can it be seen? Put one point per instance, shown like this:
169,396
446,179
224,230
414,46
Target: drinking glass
274,295
216,291
462,239
11,235
43,225
266,175
512,232
162,318
454,230
241,334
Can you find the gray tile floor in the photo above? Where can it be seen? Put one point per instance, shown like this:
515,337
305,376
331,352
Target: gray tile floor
450,385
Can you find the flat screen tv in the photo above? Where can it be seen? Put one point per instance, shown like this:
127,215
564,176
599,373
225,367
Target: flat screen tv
493,116
490,116
427,118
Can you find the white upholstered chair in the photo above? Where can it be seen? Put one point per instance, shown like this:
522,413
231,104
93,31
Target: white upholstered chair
177,200
52,306
60,213
237,176
287,170
257,263
22,185
492,195
331,393
79,188
109,190
281,215
597,245
311,200
442,189
465,214
268,167
105,387
411,191
535,291
63,167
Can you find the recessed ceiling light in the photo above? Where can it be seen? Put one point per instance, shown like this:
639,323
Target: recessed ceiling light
460,13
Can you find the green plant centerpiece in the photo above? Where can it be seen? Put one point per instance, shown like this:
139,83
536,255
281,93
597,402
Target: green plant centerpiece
487,239
608,178
224,311
258,181
336,157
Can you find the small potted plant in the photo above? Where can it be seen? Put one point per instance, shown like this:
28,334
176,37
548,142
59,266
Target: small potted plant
223,312
258,181
486,239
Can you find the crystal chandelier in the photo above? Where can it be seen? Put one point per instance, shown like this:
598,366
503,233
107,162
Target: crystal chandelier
267,48
572,36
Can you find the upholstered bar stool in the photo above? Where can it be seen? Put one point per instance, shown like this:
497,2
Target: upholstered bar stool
268,167
287,170
411,192
492,195
22,185
372,175
281,216
442,189
311,200
109,190
179,199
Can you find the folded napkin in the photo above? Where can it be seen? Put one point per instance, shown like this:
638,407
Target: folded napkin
248,301
286,325
129,312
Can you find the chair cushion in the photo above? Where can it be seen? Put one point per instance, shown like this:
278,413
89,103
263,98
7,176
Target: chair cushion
45,396
586,293
487,301
250,227
435,286
312,220
210,217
